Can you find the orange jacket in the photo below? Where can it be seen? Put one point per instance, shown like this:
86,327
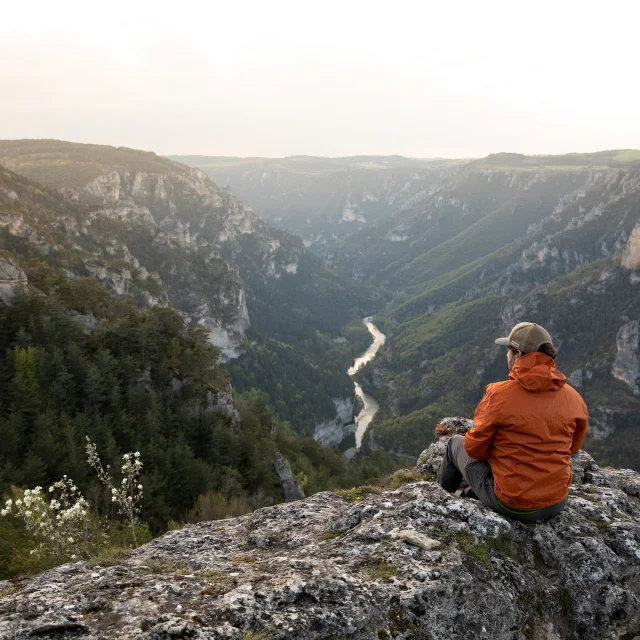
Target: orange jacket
526,428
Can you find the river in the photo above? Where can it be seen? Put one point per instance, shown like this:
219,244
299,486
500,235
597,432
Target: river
370,408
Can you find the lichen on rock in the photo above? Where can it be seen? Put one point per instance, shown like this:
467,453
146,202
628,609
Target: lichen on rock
412,563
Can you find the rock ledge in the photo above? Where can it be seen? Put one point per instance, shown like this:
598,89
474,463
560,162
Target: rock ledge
415,562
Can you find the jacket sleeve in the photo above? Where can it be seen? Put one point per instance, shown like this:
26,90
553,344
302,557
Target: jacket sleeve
581,431
478,440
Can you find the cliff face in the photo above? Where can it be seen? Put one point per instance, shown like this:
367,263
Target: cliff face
494,246
164,234
415,562
325,199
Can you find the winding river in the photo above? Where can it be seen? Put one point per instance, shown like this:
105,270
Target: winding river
364,418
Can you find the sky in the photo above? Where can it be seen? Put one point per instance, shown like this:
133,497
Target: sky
332,78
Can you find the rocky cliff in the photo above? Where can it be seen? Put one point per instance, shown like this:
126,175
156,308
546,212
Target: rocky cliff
507,239
325,199
411,562
164,234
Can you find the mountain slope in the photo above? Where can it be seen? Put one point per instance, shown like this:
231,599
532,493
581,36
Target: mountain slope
555,244
156,230
325,199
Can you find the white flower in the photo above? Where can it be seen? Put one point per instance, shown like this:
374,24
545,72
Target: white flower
73,557
114,499
137,454
4,512
18,503
70,539
51,489
140,487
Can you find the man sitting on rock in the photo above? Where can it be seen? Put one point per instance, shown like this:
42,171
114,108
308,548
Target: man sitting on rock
517,456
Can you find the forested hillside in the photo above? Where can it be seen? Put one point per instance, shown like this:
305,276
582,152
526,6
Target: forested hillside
551,240
160,232
74,364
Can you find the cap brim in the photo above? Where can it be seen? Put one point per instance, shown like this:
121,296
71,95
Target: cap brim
503,342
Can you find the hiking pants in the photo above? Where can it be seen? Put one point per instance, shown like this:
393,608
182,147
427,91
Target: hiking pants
457,464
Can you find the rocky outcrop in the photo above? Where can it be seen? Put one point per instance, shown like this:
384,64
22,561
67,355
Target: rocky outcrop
331,432
430,458
222,402
626,366
11,276
412,563
291,490
631,255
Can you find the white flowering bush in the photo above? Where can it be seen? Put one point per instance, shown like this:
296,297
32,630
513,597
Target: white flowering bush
61,525
128,495
60,520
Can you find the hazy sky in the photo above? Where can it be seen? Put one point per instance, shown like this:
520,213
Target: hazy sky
275,78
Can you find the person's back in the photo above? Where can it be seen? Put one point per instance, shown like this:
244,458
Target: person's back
534,417
517,456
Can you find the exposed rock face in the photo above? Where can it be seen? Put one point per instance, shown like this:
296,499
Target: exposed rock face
332,432
631,255
626,366
414,563
429,460
11,275
290,488
222,402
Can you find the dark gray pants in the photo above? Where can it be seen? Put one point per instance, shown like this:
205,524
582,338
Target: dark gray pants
457,464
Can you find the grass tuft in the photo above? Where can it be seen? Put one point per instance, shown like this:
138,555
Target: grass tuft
468,544
400,478
111,556
379,570
329,535
212,575
7,591
358,493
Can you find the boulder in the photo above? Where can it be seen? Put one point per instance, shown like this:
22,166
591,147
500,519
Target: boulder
411,563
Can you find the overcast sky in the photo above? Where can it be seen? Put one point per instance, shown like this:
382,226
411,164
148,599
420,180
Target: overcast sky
333,78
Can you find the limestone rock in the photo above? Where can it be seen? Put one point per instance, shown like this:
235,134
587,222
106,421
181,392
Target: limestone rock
11,275
274,572
332,432
631,255
222,402
626,366
430,459
290,488
419,540
326,567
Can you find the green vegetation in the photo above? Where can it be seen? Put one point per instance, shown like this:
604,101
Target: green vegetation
138,382
358,493
481,549
476,549
568,162
378,569
68,164
329,535
111,556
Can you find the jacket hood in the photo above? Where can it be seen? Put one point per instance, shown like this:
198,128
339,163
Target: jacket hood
537,372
